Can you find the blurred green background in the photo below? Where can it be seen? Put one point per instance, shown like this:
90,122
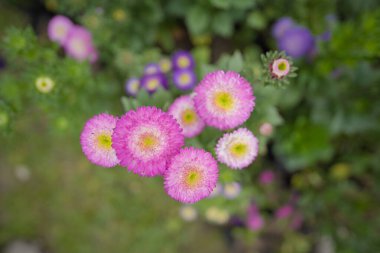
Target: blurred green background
324,151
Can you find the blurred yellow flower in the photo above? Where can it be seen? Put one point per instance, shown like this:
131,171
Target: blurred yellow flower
44,84
119,15
217,215
340,171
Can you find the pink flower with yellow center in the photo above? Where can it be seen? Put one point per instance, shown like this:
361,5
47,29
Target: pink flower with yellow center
280,68
191,176
58,28
96,140
237,149
224,99
184,112
146,139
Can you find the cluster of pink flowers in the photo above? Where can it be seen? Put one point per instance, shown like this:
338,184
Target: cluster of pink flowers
149,142
76,40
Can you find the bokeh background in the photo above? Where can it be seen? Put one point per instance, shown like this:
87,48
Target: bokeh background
314,188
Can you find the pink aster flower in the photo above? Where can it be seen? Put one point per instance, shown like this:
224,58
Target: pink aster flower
78,44
266,177
184,112
224,99
191,176
237,149
58,28
266,129
146,139
96,140
284,211
254,220
280,68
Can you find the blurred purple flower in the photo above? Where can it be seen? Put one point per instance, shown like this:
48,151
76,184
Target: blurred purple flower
184,79
284,211
152,68
59,28
232,190
182,60
254,220
326,36
153,81
297,42
281,26
266,177
132,86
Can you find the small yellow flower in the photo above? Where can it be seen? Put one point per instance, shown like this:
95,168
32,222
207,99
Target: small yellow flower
119,15
217,216
44,84
340,171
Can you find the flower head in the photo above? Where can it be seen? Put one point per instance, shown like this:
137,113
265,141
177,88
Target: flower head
237,149
266,177
132,86
281,26
44,84
254,220
280,68
78,44
184,112
266,129
217,215
188,213
224,99
165,65
58,28
232,190
146,139
184,79
297,42
191,176
152,68
182,60
96,140
152,82
284,211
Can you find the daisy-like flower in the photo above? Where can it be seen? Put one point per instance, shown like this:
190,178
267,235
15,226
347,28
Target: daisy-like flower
182,60
224,99
58,28
184,79
146,139
78,44
165,65
237,149
96,140
188,213
152,68
232,190
152,82
217,216
266,129
44,84
184,112
132,86
191,176
280,68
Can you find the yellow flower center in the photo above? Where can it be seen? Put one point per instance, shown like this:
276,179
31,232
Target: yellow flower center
152,84
105,141
224,101
282,66
134,86
184,78
165,65
183,62
193,178
188,117
238,149
148,142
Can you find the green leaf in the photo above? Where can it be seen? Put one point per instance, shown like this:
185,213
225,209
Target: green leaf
256,20
222,4
236,62
222,24
197,19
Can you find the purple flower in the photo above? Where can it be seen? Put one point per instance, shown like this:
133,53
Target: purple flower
297,42
284,211
182,60
232,190
281,26
132,86
254,220
152,68
78,44
325,36
266,177
58,28
184,79
153,81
